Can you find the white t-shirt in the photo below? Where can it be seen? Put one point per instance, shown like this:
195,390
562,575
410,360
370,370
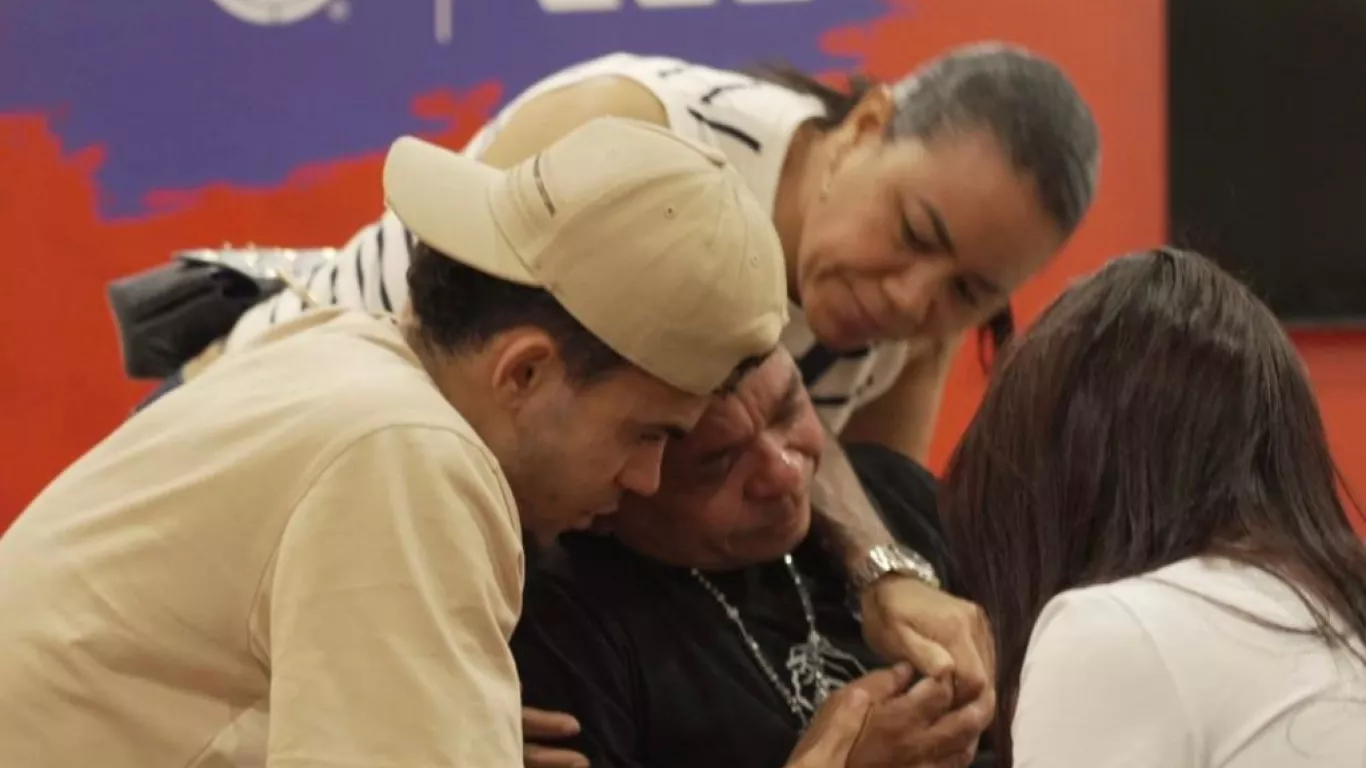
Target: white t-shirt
749,120
308,558
1153,672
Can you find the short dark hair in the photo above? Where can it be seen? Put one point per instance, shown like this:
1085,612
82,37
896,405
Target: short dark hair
1024,100
1155,412
459,309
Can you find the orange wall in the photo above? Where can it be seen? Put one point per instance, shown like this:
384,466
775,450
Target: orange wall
1114,50
63,385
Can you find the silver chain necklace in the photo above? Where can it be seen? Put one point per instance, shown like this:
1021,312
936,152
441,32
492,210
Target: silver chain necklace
816,668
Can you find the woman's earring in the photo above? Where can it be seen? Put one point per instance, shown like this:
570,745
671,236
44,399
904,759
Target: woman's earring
825,188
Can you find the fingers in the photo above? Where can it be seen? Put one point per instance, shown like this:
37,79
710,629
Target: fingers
544,757
973,652
837,725
884,683
841,729
961,760
981,710
923,729
924,704
986,643
957,732
931,658
543,724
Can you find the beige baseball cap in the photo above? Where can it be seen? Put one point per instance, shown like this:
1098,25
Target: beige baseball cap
651,241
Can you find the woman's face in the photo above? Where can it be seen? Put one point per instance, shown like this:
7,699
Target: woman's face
915,241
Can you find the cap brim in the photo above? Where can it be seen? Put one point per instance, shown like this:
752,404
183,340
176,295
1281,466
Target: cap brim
442,197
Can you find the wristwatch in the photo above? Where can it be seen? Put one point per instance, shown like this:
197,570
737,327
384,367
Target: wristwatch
889,559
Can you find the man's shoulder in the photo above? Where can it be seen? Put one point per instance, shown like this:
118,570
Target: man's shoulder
594,571
339,368
586,561
310,388
345,337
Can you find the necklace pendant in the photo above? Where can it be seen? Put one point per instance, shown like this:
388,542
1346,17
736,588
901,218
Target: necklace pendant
822,693
815,667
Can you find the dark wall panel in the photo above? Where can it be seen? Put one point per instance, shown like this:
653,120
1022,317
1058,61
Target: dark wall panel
1267,124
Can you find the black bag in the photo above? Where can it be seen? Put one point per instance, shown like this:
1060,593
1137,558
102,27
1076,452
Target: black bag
167,315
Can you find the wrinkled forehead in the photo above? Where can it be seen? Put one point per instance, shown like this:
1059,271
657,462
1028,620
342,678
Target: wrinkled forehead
745,412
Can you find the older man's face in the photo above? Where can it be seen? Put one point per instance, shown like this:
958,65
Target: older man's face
735,491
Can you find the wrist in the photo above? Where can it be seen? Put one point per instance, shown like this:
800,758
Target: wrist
887,560
847,529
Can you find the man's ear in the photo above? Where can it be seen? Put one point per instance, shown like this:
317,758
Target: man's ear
525,361
866,122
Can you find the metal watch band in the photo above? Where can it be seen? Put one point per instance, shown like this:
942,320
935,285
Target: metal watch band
886,560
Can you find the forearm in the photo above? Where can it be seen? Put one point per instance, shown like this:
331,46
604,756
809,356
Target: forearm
903,418
844,518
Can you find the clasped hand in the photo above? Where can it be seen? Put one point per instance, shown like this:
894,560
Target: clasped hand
873,722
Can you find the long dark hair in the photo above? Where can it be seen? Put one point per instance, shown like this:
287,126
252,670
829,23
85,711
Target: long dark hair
1155,412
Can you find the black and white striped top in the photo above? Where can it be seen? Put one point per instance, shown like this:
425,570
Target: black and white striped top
751,121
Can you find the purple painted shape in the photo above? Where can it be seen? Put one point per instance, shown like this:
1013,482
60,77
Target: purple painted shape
183,94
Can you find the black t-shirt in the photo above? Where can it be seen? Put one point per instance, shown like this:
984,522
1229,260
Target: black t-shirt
649,663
